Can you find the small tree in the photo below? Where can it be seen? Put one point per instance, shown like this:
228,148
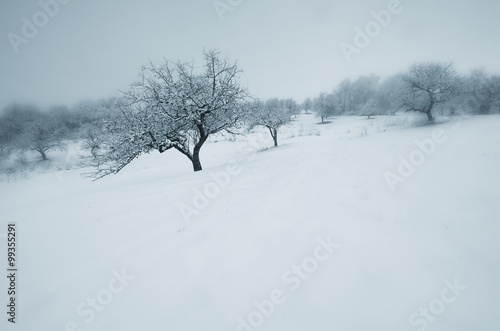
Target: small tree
172,106
369,108
324,106
292,106
426,85
272,114
25,127
42,135
307,105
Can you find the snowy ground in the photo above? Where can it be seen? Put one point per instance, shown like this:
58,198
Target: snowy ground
424,256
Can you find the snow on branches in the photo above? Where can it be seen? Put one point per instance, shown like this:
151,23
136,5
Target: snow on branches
172,106
272,114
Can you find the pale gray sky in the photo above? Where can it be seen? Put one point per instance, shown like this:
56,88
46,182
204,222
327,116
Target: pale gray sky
287,48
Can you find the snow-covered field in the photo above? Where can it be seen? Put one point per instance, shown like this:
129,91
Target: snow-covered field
306,236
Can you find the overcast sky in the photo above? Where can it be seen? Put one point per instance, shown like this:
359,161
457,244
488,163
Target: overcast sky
287,48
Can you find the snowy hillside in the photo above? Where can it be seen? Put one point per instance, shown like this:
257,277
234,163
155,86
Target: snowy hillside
333,230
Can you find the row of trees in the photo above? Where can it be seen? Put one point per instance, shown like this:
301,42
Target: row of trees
424,87
172,106
26,127
177,106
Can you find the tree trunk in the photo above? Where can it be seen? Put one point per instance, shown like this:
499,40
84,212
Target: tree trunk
275,137
196,151
429,110
196,160
429,116
44,156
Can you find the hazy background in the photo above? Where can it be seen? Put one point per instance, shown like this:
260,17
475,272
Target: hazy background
287,48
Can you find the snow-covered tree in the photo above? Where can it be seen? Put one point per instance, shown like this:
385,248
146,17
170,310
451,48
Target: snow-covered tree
426,85
324,106
272,114
363,90
173,106
485,90
307,105
492,93
386,98
351,96
292,106
344,97
42,135
26,128
369,108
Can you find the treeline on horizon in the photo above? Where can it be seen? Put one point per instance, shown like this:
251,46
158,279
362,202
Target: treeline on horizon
432,89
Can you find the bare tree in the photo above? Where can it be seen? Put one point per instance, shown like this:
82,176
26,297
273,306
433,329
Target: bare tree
363,90
485,89
324,106
25,127
272,114
173,107
386,97
5,146
493,93
43,134
344,97
307,105
292,106
426,85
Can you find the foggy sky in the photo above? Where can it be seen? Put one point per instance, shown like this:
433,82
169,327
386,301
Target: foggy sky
287,48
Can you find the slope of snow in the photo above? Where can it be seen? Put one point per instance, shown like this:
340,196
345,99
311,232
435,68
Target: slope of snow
203,272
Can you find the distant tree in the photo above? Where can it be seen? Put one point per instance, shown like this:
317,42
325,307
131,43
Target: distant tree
426,85
386,98
91,111
369,108
42,135
485,89
363,90
272,114
292,106
493,93
324,106
27,128
344,97
92,137
15,116
5,147
307,105
172,106
64,116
